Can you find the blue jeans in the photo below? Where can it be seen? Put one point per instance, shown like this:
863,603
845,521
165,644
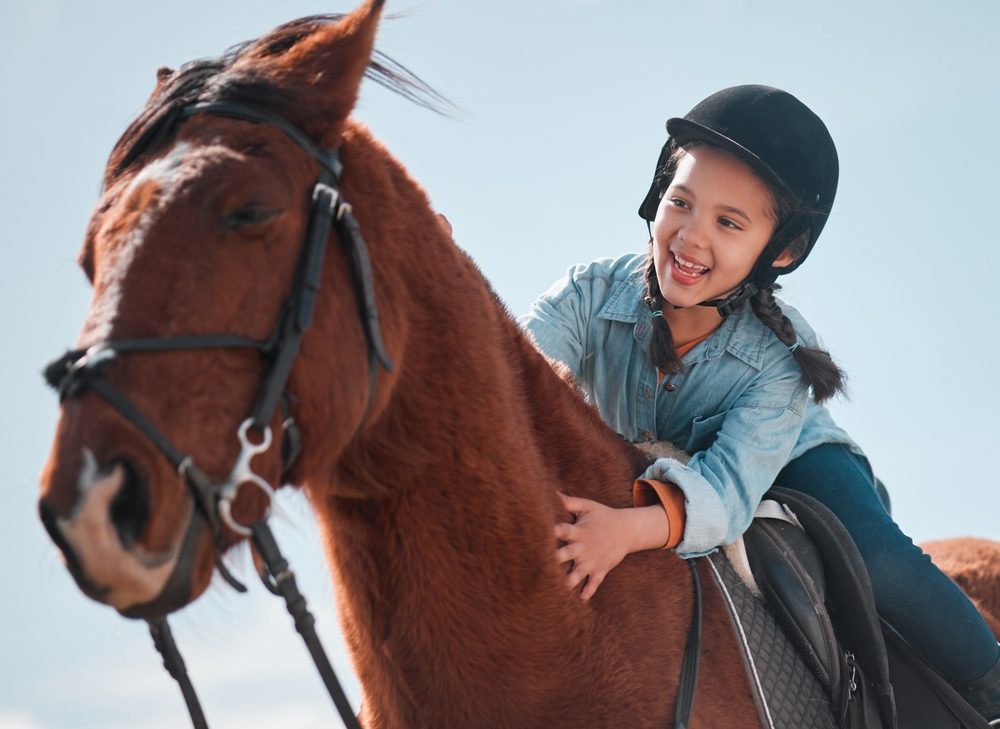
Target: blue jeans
914,596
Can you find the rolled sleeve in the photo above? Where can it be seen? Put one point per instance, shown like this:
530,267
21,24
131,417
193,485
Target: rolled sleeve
723,484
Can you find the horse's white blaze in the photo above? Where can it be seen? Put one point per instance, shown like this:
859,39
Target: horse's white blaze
132,577
167,174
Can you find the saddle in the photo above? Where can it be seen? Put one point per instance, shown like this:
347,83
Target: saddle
817,653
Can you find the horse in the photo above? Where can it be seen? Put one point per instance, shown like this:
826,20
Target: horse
434,436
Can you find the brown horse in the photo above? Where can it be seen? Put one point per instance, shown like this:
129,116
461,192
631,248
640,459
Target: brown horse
434,484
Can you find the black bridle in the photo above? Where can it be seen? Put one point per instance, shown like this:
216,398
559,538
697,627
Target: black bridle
81,370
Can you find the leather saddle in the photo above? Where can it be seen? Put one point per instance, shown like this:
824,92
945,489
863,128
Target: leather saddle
800,561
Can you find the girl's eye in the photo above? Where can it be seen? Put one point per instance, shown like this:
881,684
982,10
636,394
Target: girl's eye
728,223
678,202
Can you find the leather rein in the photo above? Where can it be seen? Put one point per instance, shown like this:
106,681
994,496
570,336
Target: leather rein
78,371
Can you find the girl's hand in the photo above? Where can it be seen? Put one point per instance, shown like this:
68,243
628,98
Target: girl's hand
602,536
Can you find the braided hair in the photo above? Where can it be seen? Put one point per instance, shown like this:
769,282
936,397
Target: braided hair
824,376
662,350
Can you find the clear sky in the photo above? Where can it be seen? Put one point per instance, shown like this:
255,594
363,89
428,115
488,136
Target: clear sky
563,108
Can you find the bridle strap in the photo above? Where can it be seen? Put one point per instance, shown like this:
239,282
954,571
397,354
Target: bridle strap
297,316
237,110
90,376
75,370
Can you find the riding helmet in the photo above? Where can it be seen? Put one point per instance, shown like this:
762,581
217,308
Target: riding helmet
783,141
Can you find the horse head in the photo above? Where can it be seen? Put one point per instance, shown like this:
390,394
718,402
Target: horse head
196,256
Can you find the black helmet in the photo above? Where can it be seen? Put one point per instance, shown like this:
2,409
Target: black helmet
783,141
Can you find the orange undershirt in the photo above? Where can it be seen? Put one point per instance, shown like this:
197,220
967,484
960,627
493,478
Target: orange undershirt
683,349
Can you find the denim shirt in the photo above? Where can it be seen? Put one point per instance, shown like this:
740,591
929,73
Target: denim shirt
741,406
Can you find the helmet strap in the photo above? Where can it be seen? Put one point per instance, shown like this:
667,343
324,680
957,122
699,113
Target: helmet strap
729,304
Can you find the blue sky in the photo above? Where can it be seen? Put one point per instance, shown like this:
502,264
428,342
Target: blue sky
563,107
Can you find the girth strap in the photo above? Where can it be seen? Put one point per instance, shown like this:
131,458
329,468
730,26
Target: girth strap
692,653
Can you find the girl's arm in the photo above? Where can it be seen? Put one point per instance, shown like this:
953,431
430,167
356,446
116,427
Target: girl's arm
558,319
722,487
724,483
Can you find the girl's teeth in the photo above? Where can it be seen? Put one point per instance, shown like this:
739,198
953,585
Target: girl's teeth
693,267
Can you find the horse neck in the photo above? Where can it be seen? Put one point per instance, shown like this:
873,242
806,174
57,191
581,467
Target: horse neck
454,541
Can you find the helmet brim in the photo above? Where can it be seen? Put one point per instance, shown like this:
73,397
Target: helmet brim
684,132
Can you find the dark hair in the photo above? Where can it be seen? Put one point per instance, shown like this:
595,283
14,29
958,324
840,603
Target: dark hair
824,376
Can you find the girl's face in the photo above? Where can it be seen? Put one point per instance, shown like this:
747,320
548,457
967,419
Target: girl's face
713,222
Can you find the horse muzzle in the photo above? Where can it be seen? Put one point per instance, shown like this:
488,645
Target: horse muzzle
100,542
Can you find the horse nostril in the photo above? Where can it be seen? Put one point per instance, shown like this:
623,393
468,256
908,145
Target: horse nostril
48,515
130,507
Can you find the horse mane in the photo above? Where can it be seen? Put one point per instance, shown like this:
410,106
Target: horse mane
532,376
212,79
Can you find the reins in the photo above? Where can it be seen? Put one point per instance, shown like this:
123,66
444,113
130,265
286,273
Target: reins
80,370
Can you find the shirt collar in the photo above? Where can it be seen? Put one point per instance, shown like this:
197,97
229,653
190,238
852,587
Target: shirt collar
742,334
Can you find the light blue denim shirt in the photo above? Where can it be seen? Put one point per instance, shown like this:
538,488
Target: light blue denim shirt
740,407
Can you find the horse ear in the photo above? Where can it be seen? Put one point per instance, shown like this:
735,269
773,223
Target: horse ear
163,74
321,64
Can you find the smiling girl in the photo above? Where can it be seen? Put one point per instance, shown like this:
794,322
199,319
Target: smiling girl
687,343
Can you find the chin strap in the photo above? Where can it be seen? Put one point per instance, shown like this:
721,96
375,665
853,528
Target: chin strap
728,305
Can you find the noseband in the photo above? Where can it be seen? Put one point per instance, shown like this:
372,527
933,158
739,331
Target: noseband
78,371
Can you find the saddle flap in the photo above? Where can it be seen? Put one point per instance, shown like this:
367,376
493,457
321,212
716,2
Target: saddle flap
850,602
789,572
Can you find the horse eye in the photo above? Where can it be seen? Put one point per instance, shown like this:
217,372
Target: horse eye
253,214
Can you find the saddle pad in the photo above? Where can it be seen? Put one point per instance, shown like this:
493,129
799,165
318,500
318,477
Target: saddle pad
787,692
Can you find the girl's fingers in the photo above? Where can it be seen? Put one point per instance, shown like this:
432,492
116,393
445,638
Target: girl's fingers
572,503
566,531
575,577
590,589
568,553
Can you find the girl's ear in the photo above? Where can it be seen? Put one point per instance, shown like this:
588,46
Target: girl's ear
320,63
787,258
794,250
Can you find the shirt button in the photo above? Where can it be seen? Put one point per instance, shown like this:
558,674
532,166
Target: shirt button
649,394
648,435
669,387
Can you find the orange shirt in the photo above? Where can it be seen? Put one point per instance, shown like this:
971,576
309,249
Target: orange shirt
683,349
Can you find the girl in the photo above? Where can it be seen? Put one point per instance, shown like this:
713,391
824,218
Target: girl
687,343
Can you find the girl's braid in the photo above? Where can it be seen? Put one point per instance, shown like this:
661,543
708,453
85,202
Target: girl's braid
662,351
818,369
